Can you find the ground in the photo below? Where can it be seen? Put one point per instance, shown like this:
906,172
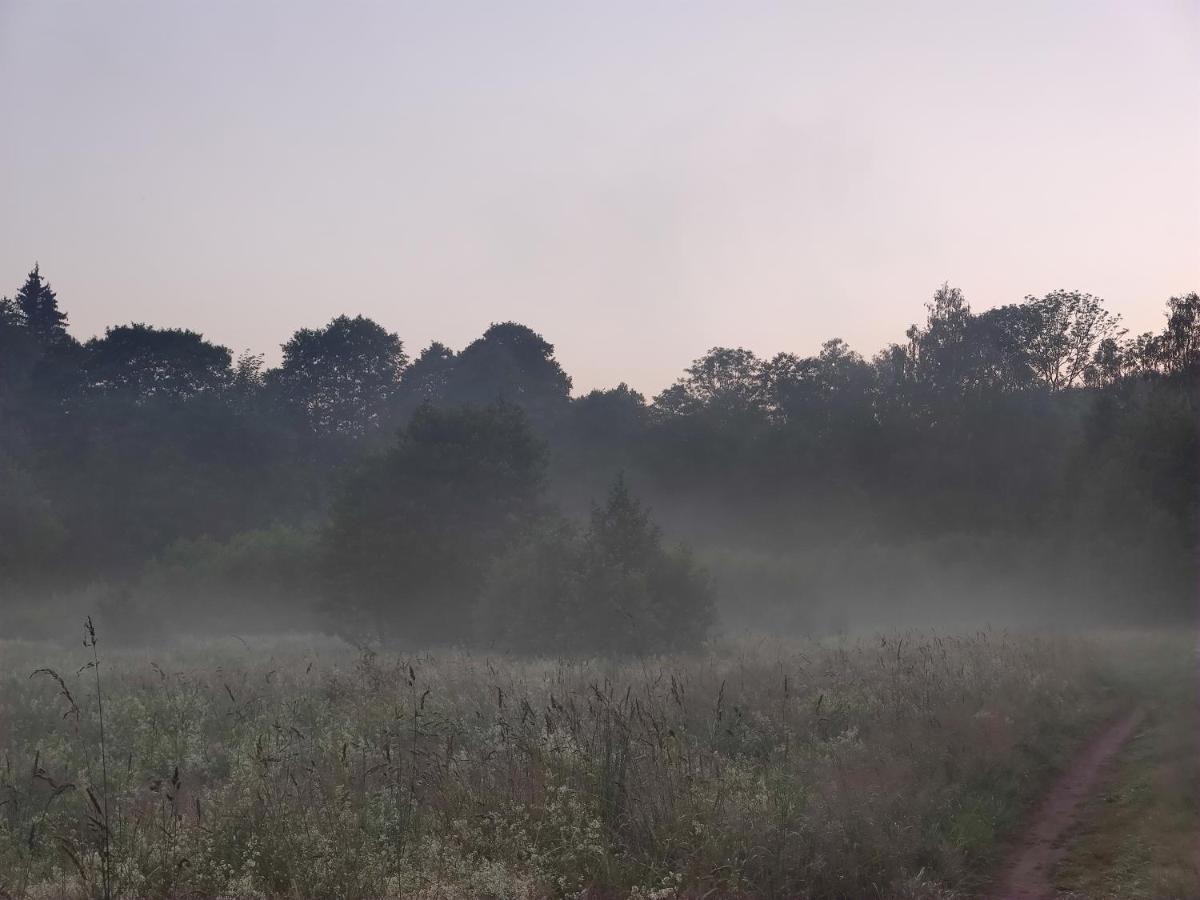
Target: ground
1138,834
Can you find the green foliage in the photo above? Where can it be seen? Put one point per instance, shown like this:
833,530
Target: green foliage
509,363
766,768
38,306
611,418
141,362
340,379
614,589
635,595
1035,432
725,382
1179,347
132,477
263,579
1068,326
428,378
530,601
413,532
514,364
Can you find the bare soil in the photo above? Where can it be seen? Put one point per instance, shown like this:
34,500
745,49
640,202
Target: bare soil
1040,847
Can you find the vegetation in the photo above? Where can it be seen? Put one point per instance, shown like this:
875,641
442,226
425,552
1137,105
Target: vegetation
883,767
538,693
411,534
614,590
1139,840
1025,461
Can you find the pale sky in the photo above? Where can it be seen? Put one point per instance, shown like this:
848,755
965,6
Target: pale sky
637,181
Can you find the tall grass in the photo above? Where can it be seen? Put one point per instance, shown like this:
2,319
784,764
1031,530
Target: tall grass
882,767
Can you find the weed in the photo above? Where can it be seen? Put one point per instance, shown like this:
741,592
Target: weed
795,768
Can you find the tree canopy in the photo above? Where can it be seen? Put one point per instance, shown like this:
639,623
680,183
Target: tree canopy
142,362
1034,451
341,378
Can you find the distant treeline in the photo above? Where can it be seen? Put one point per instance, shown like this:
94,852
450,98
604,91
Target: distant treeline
1028,458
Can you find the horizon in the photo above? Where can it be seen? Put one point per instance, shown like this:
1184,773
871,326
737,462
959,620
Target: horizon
272,359
638,184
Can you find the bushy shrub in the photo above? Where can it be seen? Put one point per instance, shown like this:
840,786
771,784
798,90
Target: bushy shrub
259,579
613,589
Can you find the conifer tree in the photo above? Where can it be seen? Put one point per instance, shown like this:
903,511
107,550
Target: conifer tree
39,308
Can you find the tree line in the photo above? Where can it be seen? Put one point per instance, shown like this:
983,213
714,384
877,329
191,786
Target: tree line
1033,450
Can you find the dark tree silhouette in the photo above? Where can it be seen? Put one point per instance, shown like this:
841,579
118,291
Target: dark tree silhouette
821,392
1179,350
341,378
1032,448
1062,342
413,533
636,595
608,417
939,353
19,350
728,383
427,379
141,362
613,589
513,363
429,374
999,342
1109,364
39,309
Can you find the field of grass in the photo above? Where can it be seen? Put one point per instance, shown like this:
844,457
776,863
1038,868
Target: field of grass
888,766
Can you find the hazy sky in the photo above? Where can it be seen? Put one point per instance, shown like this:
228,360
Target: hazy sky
637,181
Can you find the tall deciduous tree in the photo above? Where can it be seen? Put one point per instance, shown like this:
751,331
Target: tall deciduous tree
998,355
1109,363
341,378
940,351
514,364
727,382
610,417
413,533
1067,327
141,362
823,390
428,378
1180,347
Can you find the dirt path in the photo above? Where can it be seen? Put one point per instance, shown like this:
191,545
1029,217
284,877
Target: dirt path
1041,846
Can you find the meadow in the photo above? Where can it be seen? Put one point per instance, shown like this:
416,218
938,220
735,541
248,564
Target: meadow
891,765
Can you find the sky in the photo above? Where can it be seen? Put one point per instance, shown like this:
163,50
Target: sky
637,181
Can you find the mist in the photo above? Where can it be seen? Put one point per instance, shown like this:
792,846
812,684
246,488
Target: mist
1027,464
536,451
